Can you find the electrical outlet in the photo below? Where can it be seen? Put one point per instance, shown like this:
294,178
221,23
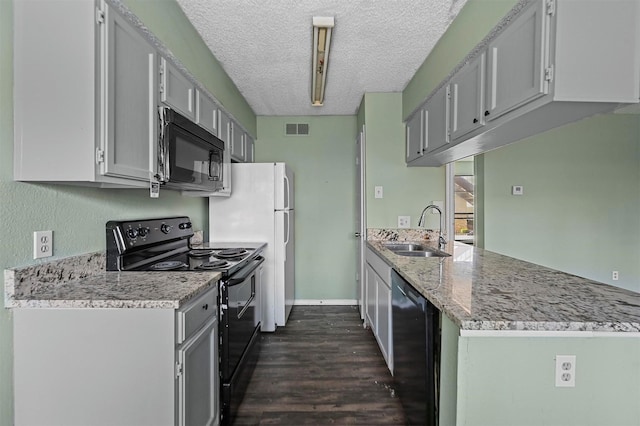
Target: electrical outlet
404,221
614,276
42,244
517,190
565,371
378,192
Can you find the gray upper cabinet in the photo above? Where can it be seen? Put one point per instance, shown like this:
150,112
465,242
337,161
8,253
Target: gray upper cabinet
237,142
249,149
206,112
436,116
129,75
516,63
414,134
548,64
176,90
467,98
92,119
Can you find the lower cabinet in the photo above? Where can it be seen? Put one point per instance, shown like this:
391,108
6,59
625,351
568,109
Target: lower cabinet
378,304
80,366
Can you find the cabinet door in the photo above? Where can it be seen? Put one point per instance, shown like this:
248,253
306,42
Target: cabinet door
198,382
176,90
249,149
130,102
206,113
224,129
372,298
415,136
384,319
436,118
516,65
237,142
466,91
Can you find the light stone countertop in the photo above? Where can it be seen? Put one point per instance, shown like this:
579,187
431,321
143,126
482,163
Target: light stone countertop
82,282
482,290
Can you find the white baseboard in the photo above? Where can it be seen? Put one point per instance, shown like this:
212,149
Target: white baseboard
328,302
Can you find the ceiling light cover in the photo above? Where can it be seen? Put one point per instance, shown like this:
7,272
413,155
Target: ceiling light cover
322,28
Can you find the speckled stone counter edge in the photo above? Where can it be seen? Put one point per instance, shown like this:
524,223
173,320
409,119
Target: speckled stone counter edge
20,282
82,282
465,323
401,234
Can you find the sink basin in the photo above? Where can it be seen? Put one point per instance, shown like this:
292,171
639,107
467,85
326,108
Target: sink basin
414,250
404,247
422,253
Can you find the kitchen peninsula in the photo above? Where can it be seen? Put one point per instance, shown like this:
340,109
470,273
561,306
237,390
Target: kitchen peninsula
108,347
504,322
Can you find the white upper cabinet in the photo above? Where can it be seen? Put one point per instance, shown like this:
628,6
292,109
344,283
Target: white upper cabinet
206,113
516,63
176,90
467,98
414,133
92,120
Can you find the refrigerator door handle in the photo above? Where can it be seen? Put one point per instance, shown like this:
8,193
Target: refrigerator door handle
287,194
288,228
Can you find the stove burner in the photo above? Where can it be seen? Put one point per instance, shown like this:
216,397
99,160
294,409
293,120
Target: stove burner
216,264
200,252
231,253
167,266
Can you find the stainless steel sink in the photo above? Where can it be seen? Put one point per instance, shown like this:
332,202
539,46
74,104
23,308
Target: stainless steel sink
414,250
404,247
422,253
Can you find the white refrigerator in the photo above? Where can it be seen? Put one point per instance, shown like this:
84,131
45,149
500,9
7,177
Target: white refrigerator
261,209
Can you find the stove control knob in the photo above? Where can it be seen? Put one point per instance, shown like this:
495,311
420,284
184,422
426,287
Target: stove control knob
185,225
143,232
132,233
166,228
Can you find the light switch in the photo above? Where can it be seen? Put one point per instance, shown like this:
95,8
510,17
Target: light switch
378,192
517,190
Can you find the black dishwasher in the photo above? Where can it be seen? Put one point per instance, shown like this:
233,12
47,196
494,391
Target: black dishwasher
416,352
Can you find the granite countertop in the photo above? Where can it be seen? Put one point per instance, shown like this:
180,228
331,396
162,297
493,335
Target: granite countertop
82,282
482,290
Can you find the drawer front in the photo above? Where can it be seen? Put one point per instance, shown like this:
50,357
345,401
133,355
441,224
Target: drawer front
196,314
380,266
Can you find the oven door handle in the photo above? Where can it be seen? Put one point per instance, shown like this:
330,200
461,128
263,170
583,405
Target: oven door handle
235,280
246,306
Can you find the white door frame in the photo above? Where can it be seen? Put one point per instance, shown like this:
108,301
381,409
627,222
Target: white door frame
449,201
362,228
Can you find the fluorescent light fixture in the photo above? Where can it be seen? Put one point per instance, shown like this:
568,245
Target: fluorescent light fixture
322,27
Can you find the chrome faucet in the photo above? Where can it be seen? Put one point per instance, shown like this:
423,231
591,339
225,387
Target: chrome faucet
441,240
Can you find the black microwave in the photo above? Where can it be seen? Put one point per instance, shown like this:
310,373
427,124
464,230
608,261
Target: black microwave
189,157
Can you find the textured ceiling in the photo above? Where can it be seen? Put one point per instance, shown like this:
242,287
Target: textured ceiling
265,47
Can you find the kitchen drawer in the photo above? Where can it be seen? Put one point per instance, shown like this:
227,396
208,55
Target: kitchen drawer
193,316
380,266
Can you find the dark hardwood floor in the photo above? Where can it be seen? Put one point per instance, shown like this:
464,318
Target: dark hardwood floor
322,368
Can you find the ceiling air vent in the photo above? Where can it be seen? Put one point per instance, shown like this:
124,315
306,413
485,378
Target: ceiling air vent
300,129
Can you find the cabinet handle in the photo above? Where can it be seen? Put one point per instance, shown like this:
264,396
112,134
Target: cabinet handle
205,306
486,113
475,120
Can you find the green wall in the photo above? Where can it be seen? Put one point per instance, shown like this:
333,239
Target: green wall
472,24
325,179
167,21
406,190
77,215
510,381
579,211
